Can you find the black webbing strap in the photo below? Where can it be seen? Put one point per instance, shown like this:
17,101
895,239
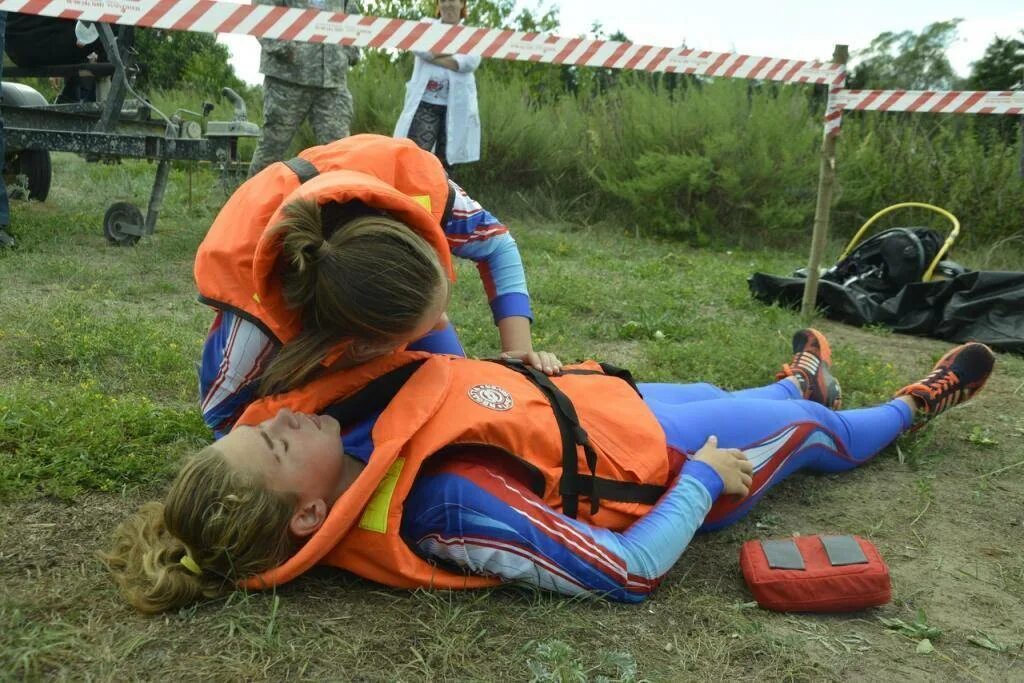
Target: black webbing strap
610,370
573,484
221,306
304,169
449,205
372,398
622,491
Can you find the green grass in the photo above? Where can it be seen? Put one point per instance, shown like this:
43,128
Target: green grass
97,406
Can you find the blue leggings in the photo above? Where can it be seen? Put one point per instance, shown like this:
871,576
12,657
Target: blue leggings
778,431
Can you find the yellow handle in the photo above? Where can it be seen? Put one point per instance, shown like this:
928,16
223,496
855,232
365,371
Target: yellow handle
920,205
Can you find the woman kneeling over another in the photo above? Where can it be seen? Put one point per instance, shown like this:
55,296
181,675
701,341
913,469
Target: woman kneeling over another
340,255
477,473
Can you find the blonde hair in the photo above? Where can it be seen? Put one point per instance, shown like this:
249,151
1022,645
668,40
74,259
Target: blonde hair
224,518
369,279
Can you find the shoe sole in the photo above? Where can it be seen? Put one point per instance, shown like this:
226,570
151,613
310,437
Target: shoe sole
971,391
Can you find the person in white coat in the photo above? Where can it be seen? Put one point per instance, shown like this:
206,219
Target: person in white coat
441,113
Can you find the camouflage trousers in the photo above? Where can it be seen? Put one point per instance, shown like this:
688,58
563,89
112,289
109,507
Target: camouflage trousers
286,105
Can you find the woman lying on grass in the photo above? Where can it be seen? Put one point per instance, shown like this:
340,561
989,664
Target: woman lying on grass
476,473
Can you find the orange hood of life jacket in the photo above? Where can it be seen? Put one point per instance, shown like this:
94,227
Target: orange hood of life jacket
237,264
448,401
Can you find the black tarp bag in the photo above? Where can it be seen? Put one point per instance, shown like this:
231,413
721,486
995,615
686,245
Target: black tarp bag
880,282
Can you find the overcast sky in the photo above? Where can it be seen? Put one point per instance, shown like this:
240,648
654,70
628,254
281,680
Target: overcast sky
799,29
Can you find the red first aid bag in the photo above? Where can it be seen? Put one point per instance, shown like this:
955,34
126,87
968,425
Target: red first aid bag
816,574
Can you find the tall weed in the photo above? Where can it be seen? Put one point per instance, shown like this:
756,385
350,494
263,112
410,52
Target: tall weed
958,164
727,162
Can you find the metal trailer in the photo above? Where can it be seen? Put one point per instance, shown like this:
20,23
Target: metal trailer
112,129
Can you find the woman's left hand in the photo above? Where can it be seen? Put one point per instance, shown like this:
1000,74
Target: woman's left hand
545,361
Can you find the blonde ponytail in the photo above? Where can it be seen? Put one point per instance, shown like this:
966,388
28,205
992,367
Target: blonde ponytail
146,563
224,519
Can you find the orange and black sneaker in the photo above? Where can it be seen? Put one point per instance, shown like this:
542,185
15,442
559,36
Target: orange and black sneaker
812,367
958,376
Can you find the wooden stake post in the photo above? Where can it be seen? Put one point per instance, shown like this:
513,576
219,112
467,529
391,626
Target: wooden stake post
826,183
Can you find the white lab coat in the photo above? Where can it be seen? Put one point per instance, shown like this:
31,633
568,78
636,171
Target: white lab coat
463,117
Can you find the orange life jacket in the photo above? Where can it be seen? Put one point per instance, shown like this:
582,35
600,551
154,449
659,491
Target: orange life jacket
584,436
236,267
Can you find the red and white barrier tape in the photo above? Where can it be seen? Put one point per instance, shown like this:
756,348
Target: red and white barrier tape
1005,102
939,102
833,112
307,25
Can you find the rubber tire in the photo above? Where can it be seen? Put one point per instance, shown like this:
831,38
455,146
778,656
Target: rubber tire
121,212
35,165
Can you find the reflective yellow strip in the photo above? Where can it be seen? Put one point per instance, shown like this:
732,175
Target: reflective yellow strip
423,200
256,298
375,516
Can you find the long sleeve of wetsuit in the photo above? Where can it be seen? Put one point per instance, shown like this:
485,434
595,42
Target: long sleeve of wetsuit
475,514
474,233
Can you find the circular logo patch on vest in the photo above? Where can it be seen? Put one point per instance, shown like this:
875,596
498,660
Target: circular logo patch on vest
490,396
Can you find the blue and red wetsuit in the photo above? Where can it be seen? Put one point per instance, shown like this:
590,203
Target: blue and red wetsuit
475,511
236,351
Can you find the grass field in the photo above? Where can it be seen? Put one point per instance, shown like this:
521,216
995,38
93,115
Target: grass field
97,406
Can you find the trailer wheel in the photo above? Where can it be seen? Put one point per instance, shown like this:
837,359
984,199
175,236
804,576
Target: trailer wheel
34,164
122,224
